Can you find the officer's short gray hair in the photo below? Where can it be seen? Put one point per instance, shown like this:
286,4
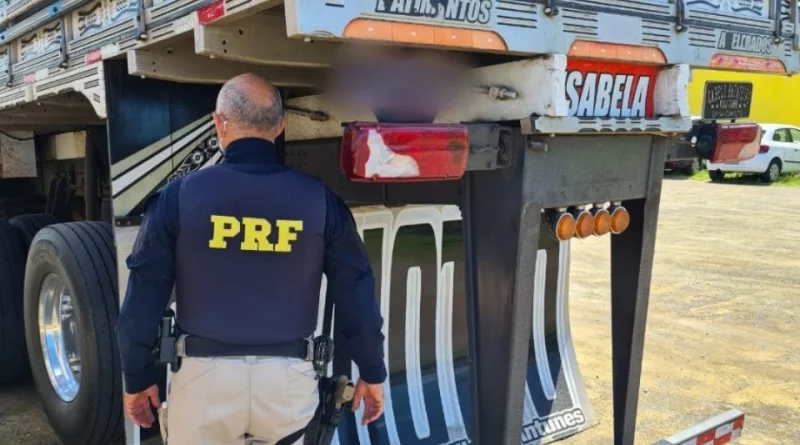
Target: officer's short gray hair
242,106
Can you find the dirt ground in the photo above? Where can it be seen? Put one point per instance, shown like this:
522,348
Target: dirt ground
723,320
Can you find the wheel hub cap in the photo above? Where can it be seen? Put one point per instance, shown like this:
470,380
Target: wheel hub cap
59,336
773,172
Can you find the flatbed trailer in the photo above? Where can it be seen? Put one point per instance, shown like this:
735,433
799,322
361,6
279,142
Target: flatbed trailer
571,110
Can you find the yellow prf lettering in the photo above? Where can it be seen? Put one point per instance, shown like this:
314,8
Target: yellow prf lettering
256,231
287,232
224,227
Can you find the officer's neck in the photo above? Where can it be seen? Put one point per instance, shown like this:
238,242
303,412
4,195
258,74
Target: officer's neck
250,151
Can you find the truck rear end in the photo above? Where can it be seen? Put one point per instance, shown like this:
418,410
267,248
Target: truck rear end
559,132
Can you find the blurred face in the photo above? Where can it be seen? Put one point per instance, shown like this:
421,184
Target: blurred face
221,125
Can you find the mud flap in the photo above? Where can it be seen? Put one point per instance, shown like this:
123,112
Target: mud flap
550,173
418,258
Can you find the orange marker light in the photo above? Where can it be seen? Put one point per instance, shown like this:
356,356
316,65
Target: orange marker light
584,224
620,219
563,225
602,221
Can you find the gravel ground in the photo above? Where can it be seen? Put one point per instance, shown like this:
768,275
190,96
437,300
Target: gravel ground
722,330
723,317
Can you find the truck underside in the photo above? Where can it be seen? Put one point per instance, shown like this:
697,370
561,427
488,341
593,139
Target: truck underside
570,106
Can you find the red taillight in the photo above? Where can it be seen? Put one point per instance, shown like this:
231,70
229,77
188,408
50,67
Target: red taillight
763,149
736,142
373,152
732,133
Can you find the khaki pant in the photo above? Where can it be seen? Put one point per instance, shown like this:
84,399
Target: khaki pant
238,401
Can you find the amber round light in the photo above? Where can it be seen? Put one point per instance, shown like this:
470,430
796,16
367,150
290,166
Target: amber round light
602,222
565,227
620,220
584,225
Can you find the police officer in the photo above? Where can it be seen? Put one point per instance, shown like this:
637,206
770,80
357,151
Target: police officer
245,243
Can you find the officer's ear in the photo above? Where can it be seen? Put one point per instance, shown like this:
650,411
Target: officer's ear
219,123
281,126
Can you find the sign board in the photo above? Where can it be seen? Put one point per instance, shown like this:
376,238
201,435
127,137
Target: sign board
611,90
727,100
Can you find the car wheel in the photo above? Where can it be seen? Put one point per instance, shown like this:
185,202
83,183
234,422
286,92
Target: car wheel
716,175
71,308
773,172
692,167
14,365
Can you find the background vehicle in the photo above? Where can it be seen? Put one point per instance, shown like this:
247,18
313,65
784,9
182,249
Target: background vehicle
677,162
105,101
779,153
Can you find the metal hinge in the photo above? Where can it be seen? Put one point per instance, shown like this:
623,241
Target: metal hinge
776,33
64,62
489,147
141,32
680,16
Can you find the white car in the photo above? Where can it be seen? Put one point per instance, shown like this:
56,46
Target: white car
779,153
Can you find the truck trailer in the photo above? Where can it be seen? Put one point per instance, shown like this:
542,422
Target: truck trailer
570,110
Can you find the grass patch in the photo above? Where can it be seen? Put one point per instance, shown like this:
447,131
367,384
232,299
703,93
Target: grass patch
701,175
786,179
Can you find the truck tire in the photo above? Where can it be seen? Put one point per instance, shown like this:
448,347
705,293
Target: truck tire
13,356
71,291
29,225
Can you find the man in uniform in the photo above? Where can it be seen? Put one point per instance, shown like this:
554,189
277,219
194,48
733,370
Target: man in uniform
245,243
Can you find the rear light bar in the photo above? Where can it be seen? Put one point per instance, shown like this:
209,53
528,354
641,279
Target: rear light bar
577,222
375,152
732,133
736,142
763,149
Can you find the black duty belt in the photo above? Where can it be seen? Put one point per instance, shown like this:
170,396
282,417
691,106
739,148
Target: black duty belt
189,346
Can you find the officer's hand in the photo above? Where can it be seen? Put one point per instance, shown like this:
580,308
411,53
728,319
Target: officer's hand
373,400
138,406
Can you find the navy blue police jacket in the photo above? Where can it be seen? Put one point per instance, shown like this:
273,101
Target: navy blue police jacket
245,244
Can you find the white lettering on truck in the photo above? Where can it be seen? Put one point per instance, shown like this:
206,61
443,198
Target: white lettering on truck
607,95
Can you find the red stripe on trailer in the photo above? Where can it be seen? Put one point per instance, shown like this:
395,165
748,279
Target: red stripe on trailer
722,440
707,438
724,429
208,14
718,430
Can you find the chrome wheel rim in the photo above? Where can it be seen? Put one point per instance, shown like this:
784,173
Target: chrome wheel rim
774,172
59,337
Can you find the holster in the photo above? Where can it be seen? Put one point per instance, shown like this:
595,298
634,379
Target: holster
335,394
167,348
